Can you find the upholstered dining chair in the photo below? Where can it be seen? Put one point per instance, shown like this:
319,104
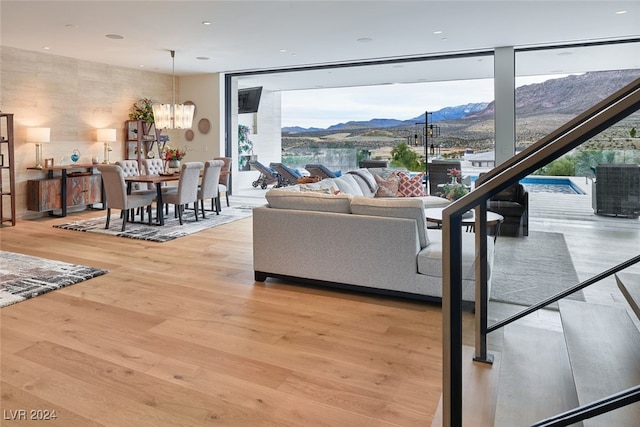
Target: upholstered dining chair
187,191
225,178
115,190
209,185
130,168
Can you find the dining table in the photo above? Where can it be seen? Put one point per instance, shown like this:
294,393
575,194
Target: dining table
158,180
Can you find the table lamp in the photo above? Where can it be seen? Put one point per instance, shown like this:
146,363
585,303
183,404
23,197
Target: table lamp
106,136
38,135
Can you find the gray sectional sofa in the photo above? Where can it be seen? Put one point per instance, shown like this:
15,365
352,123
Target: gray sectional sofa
357,241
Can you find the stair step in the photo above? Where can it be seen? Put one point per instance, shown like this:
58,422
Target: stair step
535,377
480,382
604,351
630,287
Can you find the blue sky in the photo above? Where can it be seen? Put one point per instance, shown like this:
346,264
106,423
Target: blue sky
398,101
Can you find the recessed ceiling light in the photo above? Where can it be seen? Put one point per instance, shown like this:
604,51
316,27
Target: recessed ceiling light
206,22
364,40
70,26
203,58
437,32
283,50
46,47
114,36
444,39
621,12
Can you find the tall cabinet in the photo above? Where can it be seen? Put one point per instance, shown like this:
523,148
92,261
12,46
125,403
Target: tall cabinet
142,141
7,171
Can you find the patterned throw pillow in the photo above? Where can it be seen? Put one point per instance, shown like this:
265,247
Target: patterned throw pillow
387,187
411,187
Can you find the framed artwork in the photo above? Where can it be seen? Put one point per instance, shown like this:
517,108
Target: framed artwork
48,163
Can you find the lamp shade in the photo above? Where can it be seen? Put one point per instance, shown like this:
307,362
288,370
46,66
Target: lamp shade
106,135
38,134
173,116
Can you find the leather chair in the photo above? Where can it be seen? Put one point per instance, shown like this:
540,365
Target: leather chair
513,204
115,189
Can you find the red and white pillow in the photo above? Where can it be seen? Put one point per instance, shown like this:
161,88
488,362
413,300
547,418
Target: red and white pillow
411,186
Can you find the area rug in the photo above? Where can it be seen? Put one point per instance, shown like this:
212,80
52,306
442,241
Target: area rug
156,233
23,276
530,269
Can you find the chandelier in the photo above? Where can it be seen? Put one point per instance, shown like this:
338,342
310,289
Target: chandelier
173,116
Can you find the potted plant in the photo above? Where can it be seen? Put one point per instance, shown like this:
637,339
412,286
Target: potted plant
142,110
245,148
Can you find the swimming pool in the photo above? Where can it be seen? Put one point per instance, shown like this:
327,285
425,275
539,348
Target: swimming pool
550,185
547,185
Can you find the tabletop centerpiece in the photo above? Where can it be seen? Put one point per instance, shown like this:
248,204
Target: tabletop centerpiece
455,189
173,156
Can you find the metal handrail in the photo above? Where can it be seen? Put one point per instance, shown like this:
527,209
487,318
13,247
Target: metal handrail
557,297
599,407
616,107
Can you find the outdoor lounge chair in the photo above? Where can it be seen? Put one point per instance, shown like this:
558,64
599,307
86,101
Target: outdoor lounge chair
373,163
439,173
320,170
267,175
286,175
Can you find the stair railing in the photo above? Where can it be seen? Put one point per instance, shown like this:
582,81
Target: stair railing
604,114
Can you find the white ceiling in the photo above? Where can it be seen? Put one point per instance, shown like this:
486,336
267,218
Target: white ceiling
258,35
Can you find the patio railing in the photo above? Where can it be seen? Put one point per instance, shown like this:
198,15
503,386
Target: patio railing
593,121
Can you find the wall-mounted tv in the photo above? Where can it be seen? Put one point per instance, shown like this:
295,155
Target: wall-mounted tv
249,100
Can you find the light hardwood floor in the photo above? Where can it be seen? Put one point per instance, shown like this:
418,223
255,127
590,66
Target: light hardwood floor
179,334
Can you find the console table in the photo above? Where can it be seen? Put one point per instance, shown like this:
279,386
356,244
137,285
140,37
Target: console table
76,185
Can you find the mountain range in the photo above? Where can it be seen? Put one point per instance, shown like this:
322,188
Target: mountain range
570,95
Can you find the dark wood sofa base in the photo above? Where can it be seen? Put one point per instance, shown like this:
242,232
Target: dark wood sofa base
261,276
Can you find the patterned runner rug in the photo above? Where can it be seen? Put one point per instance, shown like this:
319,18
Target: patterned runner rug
156,233
24,276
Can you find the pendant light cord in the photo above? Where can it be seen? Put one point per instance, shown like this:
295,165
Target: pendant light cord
173,71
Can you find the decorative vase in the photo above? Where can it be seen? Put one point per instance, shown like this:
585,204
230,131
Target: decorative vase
174,163
75,156
453,180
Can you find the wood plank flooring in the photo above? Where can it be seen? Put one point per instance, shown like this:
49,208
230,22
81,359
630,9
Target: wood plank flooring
179,334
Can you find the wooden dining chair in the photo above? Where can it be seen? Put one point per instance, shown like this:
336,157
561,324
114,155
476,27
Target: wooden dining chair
187,190
209,185
116,197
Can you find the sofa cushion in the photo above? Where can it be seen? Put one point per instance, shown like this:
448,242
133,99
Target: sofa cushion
308,201
395,208
348,185
325,186
509,194
366,181
387,187
430,258
411,186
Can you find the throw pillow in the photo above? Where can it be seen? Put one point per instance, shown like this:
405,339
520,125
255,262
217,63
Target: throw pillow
387,187
411,186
